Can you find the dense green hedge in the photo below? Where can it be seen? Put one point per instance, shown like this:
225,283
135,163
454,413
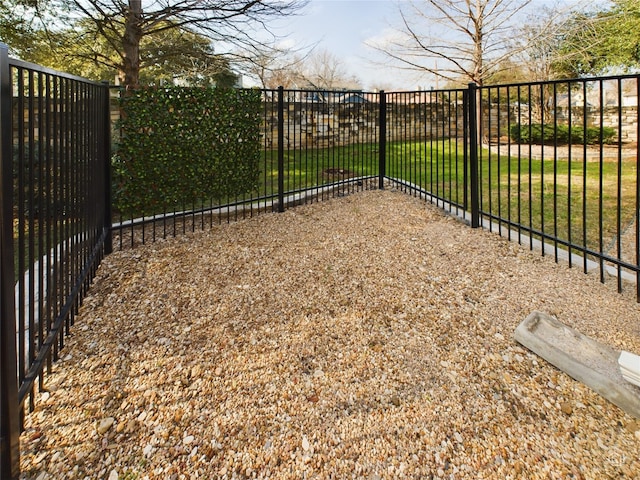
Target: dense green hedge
551,134
184,145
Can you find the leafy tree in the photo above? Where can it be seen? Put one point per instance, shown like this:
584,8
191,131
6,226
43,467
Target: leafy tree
175,55
601,41
130,37
16,25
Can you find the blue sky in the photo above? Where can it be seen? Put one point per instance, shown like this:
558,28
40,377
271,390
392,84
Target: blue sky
343,26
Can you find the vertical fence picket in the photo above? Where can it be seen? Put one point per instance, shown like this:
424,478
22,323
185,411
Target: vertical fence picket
280,149
9,407
382,138
472,116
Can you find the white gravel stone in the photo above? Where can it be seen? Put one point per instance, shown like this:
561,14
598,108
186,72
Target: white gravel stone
105,424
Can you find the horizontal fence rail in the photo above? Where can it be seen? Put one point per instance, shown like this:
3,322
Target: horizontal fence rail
55,221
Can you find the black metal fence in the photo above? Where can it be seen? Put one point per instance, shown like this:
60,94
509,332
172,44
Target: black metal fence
55,223
553,165
559,168
314,145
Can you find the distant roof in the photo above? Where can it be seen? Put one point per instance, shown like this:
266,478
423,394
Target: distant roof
352,98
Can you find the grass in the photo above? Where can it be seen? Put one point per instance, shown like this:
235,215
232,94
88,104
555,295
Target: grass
562,198
309,167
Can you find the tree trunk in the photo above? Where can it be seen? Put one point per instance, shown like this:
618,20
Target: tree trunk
131,44
478,48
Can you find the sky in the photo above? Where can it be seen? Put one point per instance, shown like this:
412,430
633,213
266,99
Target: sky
343,27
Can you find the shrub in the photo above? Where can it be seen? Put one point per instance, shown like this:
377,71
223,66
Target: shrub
550,134
182,145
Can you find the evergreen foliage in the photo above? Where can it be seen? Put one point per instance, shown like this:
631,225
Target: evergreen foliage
185,145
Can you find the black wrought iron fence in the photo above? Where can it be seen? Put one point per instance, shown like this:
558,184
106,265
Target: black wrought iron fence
558,169
55,223
313,145
553,165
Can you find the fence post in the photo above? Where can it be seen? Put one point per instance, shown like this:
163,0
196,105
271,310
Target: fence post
106,115
382,145
472,115
9,407
280,149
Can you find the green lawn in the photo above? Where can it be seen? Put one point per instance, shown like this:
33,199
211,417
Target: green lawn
563,198
309,167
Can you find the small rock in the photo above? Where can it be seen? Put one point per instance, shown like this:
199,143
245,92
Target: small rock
633,427
105,424
39,458
146,451
113,475
318,373
45,396
395,400
305,443
188,439
177,415
566,408
218,371
132,425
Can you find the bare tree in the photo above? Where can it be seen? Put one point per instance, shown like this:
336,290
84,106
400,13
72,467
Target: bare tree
317,69
456,40
229,23
276,67
325,71
539,46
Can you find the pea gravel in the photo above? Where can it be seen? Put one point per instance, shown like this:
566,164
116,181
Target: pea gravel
369,336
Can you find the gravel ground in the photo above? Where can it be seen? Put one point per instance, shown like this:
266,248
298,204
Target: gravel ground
369,336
